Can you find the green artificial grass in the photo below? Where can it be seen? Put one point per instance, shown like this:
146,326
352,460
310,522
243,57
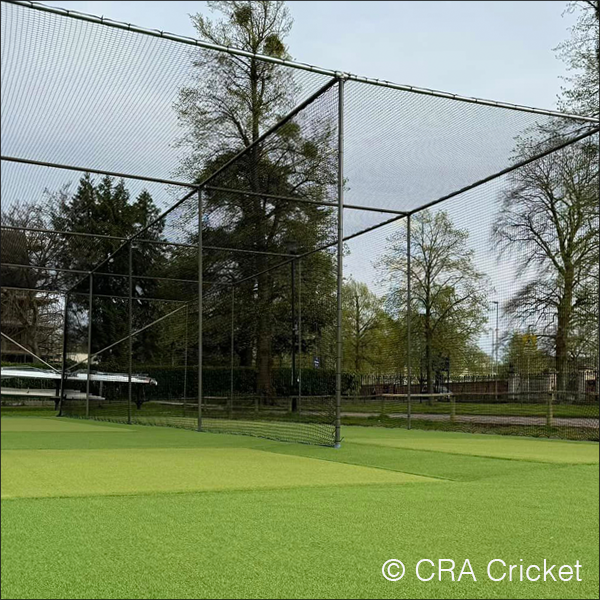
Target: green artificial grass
528,449
113,511
25,474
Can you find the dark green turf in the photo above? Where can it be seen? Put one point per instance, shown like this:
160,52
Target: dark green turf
325,535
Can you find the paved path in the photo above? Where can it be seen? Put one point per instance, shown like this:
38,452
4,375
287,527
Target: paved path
591,423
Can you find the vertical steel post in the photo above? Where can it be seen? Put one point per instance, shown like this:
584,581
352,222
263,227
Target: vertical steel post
293,319
61,388
185,356
232,352
340,266
408,323
200,292
130,327
497,366
300,334
89,347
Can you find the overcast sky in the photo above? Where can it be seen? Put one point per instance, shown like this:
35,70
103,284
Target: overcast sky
498,50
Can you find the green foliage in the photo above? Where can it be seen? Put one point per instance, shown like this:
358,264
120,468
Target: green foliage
581,54
366,327
106,208
449,295
217,381
523,355
298,160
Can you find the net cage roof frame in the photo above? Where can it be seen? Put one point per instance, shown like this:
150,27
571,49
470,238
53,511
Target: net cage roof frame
335,76
294,64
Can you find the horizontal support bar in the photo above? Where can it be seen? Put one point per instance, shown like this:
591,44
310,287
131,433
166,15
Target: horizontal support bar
64,293
40,163
138,241
34,290
100,273
293,64
506,171
303,200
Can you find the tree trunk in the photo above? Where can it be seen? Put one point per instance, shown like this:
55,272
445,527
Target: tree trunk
264,359
264,355
429,354
565,309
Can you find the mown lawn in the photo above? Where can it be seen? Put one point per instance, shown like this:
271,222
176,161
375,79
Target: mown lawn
103,510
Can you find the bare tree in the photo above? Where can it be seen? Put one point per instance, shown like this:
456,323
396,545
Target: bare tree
548,222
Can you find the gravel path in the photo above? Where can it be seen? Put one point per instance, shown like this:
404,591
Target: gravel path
590,423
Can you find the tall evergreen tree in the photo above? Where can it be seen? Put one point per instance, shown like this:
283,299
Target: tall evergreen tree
234,100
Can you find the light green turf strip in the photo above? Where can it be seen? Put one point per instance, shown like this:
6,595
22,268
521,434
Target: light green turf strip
47,473
493,446
429,464
54,425
306,542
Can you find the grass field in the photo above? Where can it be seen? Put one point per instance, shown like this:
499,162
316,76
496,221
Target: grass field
113,511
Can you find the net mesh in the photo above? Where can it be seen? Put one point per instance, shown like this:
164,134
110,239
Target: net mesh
499,332
504,307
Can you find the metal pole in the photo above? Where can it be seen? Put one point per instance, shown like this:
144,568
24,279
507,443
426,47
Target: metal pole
293,319
340,266
300,334
232,352
185,357
38,358
64,356
130,336
288,63
496,368
200,291
89,347
408,322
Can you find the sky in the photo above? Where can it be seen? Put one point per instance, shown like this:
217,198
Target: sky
497,50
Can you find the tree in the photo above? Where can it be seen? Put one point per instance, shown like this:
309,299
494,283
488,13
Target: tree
449,294
549,216
29,317
364,319
233,101
581,53
524,356
548,222
105,208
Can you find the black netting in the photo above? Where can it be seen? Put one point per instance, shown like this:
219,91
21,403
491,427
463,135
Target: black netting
504,299
500,330
86,94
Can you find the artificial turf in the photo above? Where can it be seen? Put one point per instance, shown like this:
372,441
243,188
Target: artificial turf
114,511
